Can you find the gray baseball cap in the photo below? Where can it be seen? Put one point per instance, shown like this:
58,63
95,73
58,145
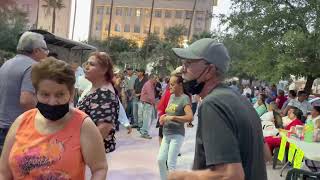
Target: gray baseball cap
208,50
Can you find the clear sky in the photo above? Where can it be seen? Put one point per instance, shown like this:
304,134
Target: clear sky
83,15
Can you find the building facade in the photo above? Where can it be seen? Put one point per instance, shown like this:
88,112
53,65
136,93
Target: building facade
130,19
40,18
30,7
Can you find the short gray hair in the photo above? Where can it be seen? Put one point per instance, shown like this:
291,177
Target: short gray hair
29,41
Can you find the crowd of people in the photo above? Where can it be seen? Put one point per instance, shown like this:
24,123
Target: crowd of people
56,118
279,111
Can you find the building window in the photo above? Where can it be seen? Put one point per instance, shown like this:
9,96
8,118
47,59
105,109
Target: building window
136,29
127,11
106,27
156,29
127,28
117,28
157,13
26,7
99,10
146,29
198,30
108,10
188,14
200,15
138,12
215,2
98,26
118,11
178,14
167,14
147,12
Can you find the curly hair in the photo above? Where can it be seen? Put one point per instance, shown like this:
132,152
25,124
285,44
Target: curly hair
53,69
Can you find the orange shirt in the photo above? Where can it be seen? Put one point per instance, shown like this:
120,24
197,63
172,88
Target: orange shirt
55,156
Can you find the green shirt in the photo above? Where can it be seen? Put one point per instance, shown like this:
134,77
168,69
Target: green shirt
261,110
175,107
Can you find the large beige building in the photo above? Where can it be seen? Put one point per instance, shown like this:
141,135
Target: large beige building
39,17
131,18
62,19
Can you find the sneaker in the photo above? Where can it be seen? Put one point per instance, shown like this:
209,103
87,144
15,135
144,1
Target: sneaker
146,136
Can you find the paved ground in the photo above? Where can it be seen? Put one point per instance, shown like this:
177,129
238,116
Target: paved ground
135,158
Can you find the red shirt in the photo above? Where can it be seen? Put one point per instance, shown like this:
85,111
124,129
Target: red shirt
280,101
293,123
164,102
148,93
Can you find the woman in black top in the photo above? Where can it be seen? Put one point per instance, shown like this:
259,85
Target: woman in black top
101,102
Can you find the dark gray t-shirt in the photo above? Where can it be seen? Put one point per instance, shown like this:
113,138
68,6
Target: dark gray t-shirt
229,131
175,107
15,76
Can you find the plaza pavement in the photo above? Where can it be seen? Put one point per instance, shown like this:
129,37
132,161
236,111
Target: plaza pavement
135,157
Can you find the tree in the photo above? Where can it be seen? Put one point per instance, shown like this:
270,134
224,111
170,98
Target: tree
12,24
285,34
152,41
54,5
204,34
115,46
174,35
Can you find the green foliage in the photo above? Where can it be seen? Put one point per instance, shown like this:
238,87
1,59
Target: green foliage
152,42
123,51
275,38
12,24
174,35
202,35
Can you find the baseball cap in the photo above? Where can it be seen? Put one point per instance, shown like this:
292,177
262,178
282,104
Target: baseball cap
208,50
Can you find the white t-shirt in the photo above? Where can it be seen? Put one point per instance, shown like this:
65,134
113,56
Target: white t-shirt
247,91
268,116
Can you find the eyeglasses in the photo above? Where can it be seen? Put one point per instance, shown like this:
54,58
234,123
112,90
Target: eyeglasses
46,50
188,63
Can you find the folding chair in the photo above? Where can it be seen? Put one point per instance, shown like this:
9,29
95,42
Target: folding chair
295,174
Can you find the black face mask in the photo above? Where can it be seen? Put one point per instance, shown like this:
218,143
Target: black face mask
53,113
193,87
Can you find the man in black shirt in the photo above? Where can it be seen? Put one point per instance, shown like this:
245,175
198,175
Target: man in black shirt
229,141
137,105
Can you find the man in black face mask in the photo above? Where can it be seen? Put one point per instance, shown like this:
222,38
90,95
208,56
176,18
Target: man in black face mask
229,142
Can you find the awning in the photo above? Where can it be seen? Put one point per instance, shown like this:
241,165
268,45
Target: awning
63,42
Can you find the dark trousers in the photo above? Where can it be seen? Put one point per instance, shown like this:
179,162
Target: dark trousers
194,107
3,134
129,111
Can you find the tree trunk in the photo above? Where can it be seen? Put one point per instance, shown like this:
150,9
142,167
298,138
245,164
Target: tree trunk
110,18
150,24
53,20
191,20
309,83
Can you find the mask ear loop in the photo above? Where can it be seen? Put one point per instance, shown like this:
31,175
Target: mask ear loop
204,71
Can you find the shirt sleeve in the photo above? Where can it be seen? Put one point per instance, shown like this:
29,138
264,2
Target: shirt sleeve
26,84
291,102
219,142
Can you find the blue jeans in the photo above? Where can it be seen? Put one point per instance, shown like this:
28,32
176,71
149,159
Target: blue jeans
135,108
146,117
168,152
